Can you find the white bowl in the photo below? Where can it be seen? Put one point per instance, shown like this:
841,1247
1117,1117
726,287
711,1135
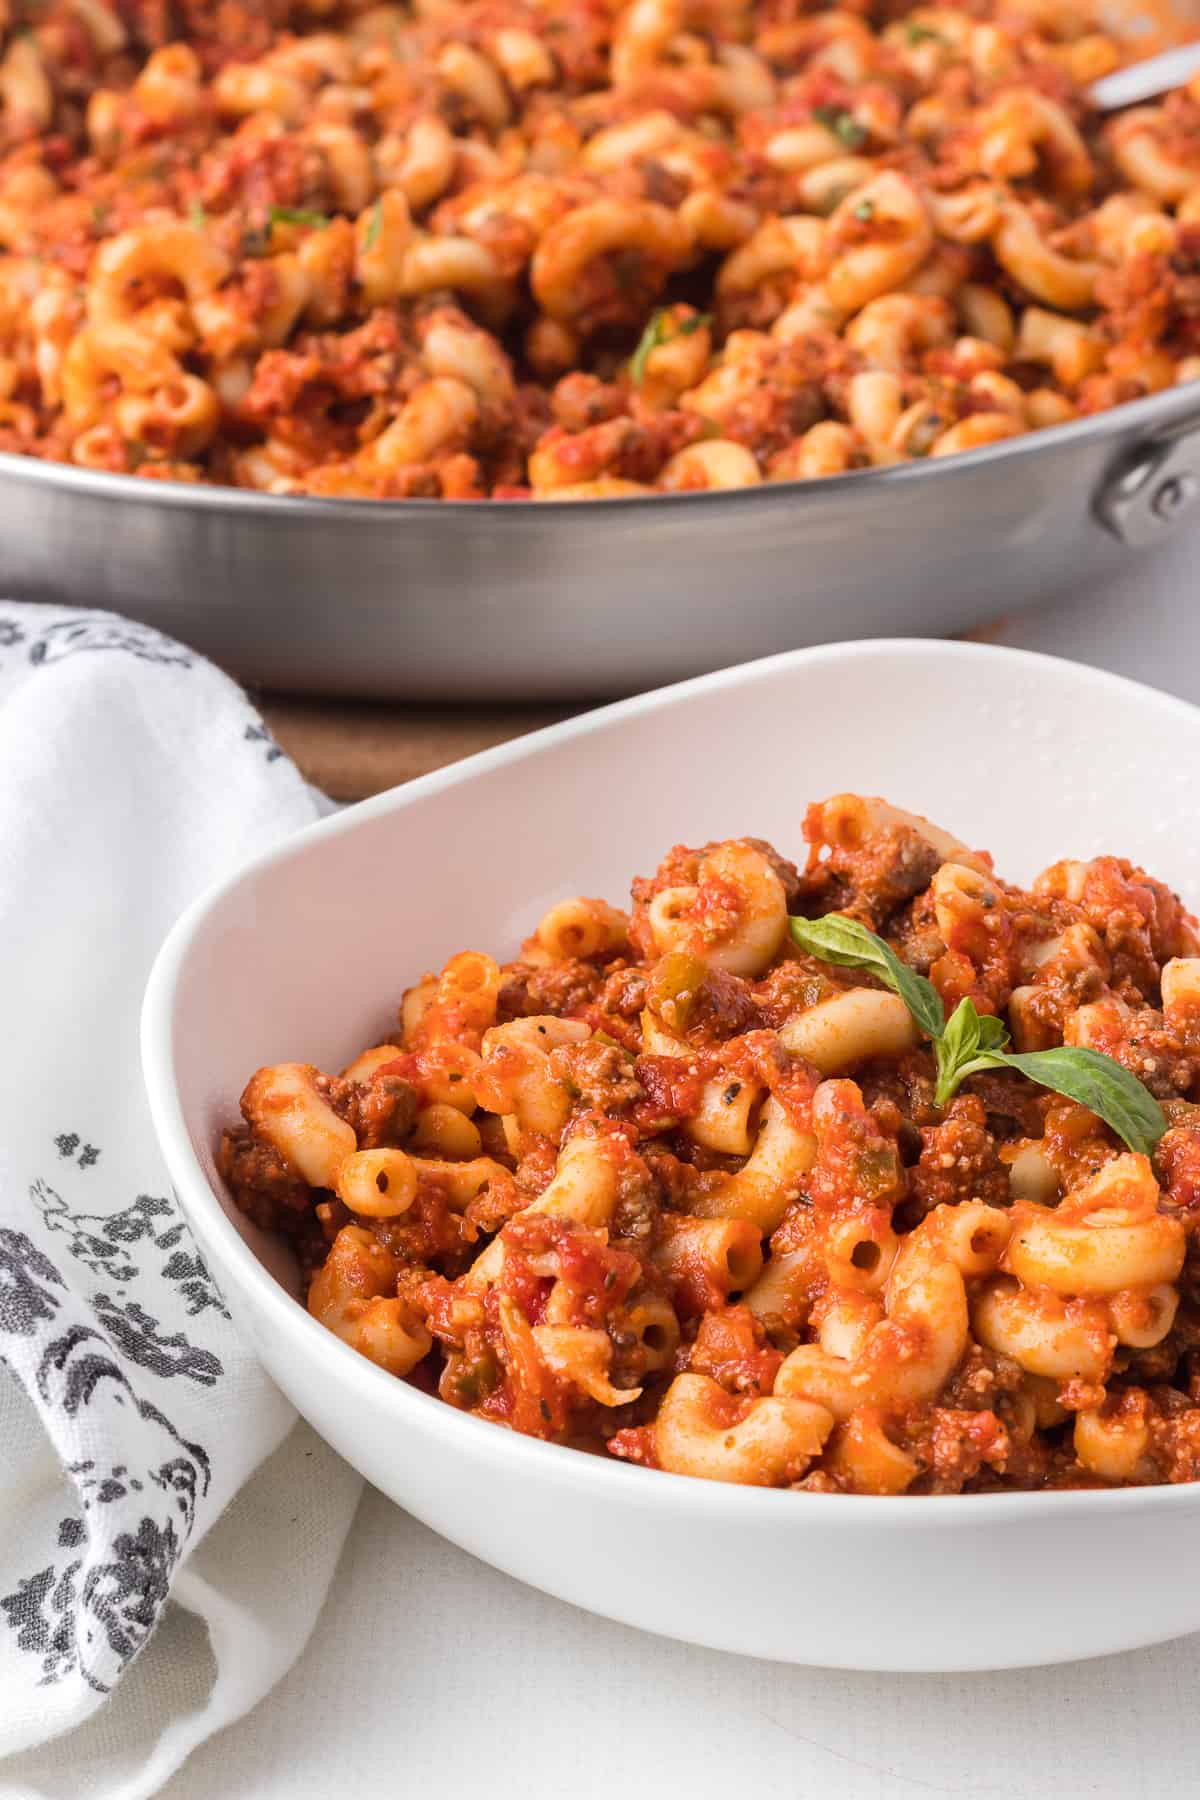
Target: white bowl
304,955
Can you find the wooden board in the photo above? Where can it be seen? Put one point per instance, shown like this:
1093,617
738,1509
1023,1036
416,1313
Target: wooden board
350,749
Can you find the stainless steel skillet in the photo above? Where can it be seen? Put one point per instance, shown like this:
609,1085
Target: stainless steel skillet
504,600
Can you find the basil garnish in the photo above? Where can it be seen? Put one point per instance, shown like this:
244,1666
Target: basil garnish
849,945
296,215
969,1041
657,332
845,128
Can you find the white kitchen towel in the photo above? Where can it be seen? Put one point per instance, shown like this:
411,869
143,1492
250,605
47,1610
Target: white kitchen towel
132,774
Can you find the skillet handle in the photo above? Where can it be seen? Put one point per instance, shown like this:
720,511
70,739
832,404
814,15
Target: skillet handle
1154,488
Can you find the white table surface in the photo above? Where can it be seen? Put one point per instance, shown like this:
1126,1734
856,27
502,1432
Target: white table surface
429,1674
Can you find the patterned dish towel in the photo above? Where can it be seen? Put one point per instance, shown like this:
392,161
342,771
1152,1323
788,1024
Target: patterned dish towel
132,775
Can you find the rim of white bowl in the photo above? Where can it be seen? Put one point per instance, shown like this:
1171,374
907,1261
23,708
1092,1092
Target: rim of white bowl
618,1481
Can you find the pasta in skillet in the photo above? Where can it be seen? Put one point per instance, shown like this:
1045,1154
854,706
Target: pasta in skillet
879,1176
575,248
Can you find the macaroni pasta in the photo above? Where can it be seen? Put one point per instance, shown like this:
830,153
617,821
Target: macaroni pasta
575,248
668,1187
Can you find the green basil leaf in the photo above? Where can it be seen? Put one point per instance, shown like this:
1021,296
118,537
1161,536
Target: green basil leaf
969,1042
374,224
993,1034
844,127
849,945
969,1038
650,339
297,215
960,1040
958,1044
1098,1083
657,332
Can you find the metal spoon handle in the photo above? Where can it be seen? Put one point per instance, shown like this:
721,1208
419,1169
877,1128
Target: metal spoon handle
1146,80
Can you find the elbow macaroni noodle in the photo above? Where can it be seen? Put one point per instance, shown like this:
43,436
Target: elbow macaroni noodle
667,1186
569,249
